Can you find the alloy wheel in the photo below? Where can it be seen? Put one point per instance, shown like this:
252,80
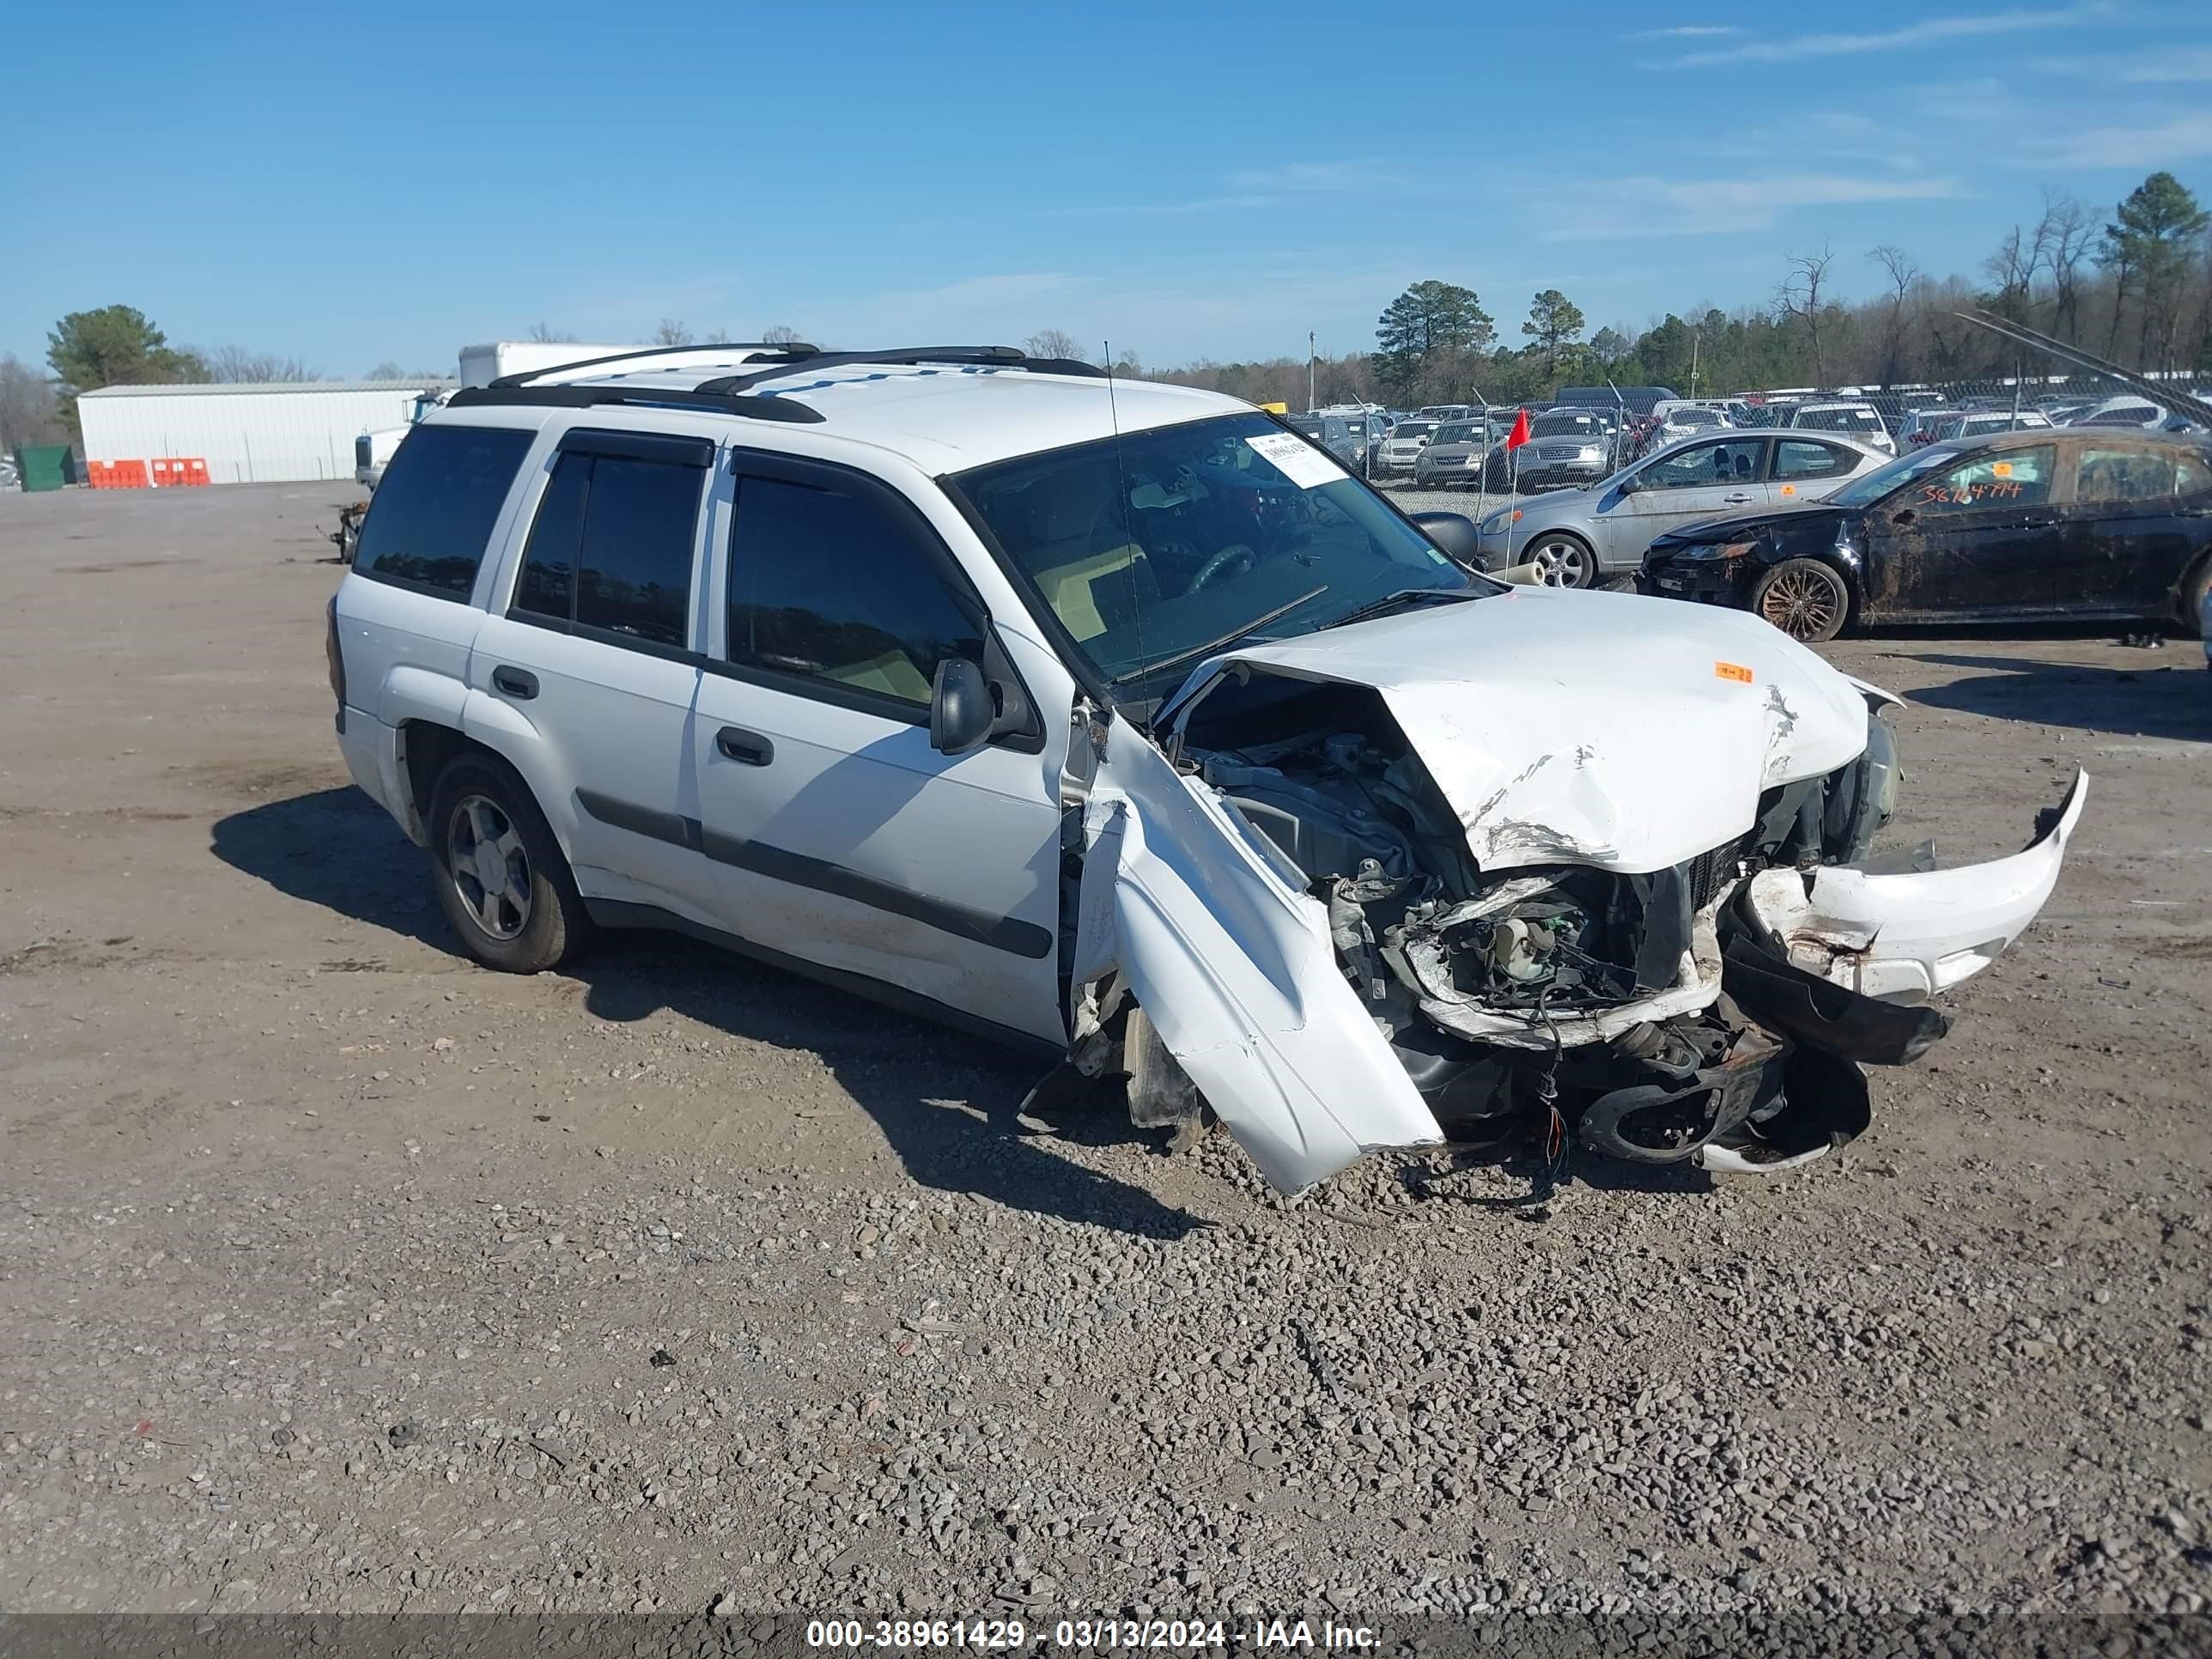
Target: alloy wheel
489,867
1561,563
1805,605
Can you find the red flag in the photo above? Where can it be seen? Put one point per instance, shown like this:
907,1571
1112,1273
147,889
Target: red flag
1519,435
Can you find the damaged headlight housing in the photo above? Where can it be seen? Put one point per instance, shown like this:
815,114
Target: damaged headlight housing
1496,523
1712,550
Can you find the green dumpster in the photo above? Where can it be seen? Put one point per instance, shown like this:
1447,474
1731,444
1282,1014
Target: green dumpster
43,467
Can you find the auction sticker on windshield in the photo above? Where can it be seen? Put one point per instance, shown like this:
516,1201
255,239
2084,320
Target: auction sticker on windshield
1296,460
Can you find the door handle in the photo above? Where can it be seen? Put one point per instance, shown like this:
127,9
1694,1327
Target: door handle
516,683
1735,501
749,748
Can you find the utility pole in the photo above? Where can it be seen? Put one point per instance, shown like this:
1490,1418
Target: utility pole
1310,370
1697,339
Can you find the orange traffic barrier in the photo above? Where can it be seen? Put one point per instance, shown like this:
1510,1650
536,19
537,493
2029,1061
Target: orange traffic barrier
161,480
131,475
95,475
195,471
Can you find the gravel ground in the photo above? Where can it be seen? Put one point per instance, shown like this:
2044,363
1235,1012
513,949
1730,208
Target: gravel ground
338,1274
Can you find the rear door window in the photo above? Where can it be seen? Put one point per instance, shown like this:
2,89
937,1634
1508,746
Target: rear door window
611,552
1796,459
435,506
2110,473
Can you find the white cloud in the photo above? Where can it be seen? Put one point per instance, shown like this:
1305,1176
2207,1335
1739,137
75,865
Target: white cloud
2161,144
1648,207
1313,176
1206,204
1912,34
2172,64
1687,32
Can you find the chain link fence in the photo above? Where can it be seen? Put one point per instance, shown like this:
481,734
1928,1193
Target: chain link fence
1574,444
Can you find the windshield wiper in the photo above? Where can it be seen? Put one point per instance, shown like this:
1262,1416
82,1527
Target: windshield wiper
1244,632
1376,607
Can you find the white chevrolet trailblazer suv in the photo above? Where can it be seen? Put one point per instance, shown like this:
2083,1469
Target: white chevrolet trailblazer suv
1118,719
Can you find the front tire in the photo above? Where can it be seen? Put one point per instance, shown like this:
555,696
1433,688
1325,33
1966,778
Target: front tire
1563,560
499,873
1803,598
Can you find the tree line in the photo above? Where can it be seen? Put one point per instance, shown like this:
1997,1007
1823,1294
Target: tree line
2136,287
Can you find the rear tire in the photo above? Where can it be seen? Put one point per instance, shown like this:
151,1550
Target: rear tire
2193,588
500,875
1803,598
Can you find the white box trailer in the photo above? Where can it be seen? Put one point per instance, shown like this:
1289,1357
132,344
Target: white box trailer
483,364
480,366
278,433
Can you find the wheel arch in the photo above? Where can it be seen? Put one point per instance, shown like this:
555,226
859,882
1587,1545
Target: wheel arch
427,747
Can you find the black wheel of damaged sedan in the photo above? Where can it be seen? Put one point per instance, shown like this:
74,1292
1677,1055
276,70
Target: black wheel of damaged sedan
1803,598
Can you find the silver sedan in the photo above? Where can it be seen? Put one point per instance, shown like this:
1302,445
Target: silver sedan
1578,537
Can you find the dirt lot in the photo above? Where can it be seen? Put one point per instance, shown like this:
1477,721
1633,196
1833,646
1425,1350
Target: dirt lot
336,1274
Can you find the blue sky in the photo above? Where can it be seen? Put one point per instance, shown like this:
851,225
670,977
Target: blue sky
395,180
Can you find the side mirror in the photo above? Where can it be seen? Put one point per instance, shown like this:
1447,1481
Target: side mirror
1454,532
1627,486
961,714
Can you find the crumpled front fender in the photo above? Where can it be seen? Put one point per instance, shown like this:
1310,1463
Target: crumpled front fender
1907,937
1236,972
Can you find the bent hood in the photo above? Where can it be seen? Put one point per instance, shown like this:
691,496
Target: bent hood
1569,727
1735,526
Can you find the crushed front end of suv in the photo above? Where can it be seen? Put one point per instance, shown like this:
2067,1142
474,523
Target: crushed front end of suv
1126,722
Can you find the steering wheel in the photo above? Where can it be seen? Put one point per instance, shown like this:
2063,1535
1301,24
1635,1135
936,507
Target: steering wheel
1232,554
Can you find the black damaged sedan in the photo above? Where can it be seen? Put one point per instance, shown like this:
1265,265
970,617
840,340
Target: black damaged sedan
2040,525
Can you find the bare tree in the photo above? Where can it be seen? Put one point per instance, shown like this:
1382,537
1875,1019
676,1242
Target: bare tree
1798,295
1897,266
28,411
386,370
2064,234
1052,343
673,332
235,366
546,334
2013,269
781,334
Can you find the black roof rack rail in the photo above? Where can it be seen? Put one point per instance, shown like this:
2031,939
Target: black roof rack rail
988,356
635,397
760,348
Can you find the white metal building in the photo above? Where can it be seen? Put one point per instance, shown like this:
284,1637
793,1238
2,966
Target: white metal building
247,433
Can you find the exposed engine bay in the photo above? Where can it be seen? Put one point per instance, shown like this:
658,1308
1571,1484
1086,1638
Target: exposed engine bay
1643,1012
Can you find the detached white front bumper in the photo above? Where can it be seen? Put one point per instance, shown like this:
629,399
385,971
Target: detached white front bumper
1907,937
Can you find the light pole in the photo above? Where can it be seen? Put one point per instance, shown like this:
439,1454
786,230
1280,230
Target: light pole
1309,371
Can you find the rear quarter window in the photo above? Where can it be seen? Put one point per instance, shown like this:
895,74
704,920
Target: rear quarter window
435,507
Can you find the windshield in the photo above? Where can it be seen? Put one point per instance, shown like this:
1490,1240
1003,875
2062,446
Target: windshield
1870,487
1693,417
1459,432
1184,538
1561,426
1412,428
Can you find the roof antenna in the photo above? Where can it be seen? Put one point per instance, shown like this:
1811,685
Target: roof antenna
1122,504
